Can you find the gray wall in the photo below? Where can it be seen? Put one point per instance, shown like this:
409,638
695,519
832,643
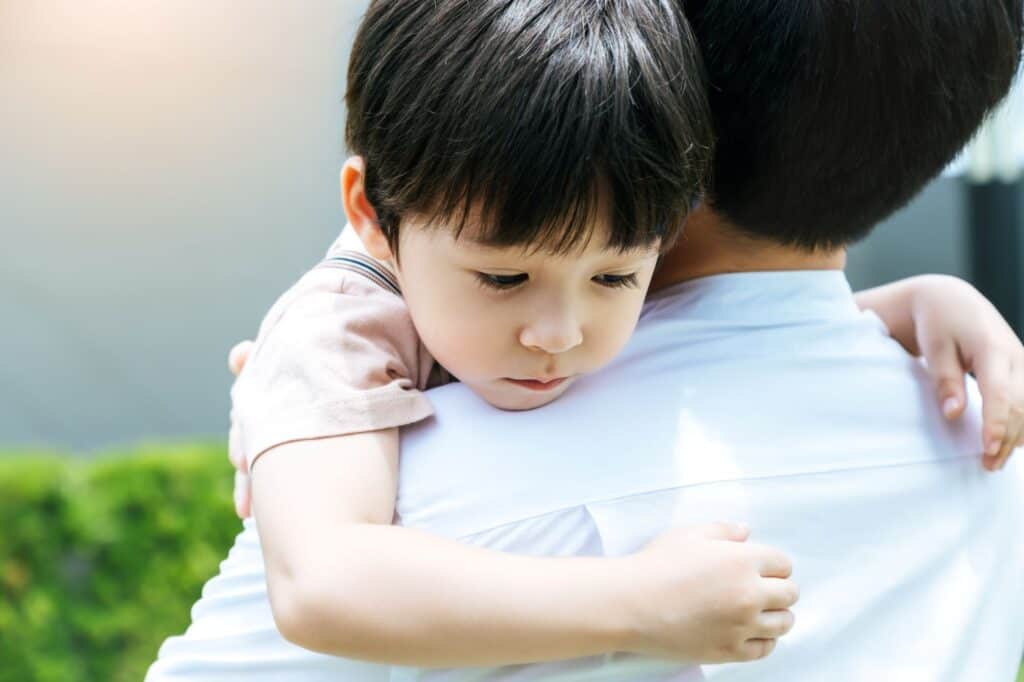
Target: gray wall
929,235
168,168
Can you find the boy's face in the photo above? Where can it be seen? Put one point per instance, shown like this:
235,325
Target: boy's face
516,326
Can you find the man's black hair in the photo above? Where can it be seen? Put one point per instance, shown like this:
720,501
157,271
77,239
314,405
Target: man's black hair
528,116
832,114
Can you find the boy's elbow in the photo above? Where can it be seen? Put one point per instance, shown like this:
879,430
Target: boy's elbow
297,606
290,606
314,618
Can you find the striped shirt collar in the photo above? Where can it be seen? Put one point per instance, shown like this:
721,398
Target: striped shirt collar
366,266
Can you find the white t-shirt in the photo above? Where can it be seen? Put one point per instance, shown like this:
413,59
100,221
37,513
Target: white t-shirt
762,397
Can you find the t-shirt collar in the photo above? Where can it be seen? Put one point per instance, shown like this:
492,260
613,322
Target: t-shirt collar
784,295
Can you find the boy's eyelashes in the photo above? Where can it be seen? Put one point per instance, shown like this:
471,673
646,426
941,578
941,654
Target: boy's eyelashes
618,281
505,282
501,281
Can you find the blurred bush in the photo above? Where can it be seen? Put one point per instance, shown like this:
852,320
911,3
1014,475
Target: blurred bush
101,559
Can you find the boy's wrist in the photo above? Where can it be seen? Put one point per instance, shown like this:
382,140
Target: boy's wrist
607,615
621,616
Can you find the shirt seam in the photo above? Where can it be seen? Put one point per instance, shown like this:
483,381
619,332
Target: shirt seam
802,474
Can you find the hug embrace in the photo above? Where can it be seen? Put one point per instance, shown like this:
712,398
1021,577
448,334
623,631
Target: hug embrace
581,391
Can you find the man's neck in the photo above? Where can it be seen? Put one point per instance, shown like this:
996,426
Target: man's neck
709,245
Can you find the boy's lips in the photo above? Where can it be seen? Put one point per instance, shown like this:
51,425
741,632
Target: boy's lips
539,384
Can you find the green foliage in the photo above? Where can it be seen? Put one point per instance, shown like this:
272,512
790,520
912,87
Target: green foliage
100,559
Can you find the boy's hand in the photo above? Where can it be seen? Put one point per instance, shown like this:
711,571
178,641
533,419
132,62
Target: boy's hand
237,358
708,596
957,331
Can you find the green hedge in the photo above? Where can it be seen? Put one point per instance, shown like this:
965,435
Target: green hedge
101,559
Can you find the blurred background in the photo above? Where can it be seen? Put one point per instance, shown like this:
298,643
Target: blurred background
167,168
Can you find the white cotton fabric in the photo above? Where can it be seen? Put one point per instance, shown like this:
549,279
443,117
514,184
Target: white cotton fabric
767,398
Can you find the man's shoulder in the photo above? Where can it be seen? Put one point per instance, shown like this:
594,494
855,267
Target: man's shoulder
691,401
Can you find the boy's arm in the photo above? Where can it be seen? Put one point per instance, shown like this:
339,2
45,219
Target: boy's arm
343,581
957,330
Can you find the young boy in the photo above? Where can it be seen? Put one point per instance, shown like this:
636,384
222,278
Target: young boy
564,250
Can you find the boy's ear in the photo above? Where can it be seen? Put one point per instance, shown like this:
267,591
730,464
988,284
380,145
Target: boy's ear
361,215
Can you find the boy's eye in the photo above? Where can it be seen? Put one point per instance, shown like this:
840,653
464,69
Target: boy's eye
617,281
501,281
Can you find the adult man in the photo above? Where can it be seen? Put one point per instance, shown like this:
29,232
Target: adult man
755,389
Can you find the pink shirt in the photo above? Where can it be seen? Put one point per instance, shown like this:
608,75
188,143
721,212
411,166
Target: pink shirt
337,354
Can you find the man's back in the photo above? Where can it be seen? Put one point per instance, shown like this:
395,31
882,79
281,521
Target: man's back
767,398
762,397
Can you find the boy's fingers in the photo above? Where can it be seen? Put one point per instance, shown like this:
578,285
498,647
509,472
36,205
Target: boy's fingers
235,452
243,492
1000,460
772,624
774,564
994,382
947,372
1015,437
780,593
242,495
238,356
1010,443
754,649
951,396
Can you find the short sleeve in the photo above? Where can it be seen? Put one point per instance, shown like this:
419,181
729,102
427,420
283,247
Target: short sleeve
336,355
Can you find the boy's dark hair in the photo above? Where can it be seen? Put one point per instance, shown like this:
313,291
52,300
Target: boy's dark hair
832,114
531,115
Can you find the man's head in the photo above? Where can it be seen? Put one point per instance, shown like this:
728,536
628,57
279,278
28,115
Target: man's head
521,164
832,114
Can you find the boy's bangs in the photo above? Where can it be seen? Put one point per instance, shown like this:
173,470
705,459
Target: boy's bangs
553,208
531,122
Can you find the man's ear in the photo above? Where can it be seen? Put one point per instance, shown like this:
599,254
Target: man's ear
361,215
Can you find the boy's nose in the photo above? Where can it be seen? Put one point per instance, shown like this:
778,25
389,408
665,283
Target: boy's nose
552,335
